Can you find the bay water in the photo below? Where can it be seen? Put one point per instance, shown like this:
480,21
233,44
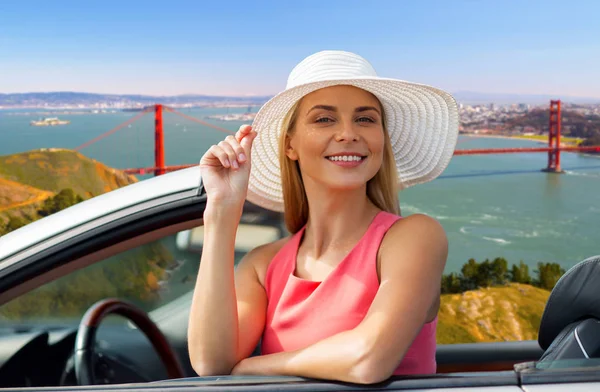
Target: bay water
499,205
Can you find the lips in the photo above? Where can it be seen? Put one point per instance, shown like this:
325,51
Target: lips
346,159
346,156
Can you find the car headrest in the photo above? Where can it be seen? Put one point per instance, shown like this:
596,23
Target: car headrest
576,296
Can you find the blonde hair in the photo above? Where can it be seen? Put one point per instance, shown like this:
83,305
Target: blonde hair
382,189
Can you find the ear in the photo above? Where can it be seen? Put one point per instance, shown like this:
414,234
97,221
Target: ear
289,149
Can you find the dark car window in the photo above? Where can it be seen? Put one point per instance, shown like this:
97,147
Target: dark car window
150,275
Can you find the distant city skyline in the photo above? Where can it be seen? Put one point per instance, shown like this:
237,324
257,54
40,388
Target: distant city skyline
98,100
235,48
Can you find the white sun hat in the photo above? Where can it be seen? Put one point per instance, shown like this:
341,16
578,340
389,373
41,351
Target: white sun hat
422,122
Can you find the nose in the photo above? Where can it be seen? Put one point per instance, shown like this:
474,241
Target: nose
347,133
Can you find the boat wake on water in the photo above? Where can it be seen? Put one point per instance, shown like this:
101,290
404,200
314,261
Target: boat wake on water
582,174
501,241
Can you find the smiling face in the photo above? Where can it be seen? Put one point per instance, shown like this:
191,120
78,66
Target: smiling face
338,137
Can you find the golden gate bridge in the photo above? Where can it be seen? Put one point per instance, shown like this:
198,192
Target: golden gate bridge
553,150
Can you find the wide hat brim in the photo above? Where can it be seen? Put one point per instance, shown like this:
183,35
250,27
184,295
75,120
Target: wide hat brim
422,122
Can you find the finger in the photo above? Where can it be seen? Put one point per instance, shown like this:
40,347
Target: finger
239,150
218,153
247,141
243,131
231,155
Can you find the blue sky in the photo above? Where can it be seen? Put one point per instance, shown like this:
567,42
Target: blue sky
248,47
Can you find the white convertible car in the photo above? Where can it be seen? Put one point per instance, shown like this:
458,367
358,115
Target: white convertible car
99,294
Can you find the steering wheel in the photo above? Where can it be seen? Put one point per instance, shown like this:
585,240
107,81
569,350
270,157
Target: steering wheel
86,338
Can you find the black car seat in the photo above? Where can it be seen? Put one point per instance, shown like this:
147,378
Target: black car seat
570,326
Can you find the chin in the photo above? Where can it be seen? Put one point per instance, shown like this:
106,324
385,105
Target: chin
341,184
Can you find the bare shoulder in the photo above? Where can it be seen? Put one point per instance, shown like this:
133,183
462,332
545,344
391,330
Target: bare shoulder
260,257
413,255
416,236
419,227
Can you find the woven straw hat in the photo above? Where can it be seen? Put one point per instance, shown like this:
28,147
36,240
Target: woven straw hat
422,122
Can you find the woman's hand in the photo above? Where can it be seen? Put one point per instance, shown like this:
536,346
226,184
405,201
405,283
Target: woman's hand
225,168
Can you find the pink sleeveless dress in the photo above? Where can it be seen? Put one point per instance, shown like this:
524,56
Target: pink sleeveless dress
302,312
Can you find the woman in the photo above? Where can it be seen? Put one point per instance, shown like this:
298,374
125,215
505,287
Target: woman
353,293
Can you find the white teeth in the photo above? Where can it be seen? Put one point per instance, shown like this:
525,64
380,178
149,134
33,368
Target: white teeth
345,158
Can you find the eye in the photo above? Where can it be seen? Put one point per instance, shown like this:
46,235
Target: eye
366,119
323,120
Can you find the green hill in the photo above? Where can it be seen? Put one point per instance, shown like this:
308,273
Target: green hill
492,314
15,195
36,183
57,169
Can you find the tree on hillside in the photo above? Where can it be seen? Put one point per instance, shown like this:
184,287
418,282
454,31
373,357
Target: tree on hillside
65,198
520,273
548,275
469,274
485,274
451,284
499,271
13,224
476,275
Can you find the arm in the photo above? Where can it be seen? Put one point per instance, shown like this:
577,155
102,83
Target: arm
413,256
228,308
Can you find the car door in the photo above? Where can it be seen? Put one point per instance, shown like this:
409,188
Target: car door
45,288
146,253
485,357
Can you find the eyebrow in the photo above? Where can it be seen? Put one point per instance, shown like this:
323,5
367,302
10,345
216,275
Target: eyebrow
334,109
366,108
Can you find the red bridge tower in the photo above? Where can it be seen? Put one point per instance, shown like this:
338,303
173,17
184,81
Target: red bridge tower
159,141
554,138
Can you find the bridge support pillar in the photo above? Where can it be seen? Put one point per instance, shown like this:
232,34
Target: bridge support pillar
159,142
554,138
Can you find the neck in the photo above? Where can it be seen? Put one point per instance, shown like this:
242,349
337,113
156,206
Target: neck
336,218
